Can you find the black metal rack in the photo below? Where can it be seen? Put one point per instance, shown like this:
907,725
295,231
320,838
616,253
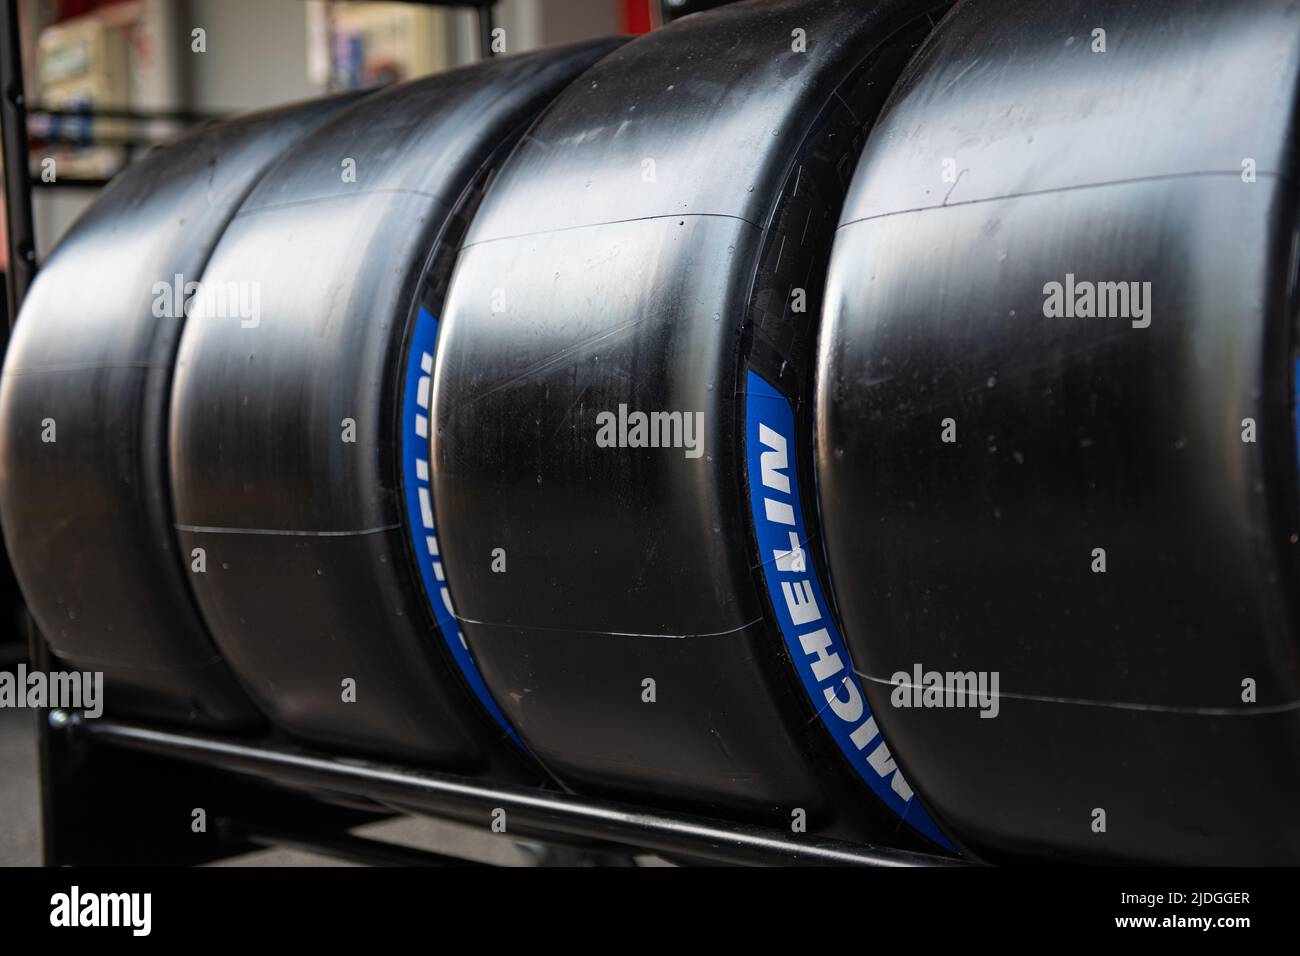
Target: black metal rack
107,787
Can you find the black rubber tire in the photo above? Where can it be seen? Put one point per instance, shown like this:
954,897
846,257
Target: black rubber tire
312,576
583,286
87,517
1120,691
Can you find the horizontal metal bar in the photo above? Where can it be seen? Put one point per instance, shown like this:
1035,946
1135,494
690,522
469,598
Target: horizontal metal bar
438,794
74,138
71,182
116,113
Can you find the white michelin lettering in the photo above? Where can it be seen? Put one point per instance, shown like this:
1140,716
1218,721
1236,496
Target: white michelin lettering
799,601
772,463
844,698
426,508
847,709
779,512
882,761
826,665
792,560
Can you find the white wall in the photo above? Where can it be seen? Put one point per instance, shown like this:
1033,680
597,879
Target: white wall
256,54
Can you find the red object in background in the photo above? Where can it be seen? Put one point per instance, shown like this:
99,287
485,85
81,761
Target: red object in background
636,16
75,8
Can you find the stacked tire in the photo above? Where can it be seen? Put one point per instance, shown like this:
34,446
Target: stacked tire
85,496
661,419
654,252
1056,426
293,434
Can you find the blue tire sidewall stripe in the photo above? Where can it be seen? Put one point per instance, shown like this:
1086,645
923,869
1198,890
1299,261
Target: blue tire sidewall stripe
819,653
416,424
764,406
